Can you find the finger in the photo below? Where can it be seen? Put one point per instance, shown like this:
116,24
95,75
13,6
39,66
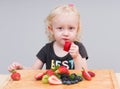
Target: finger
17,65
74,47
10,68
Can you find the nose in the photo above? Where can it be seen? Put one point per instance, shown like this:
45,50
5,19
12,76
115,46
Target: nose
65,32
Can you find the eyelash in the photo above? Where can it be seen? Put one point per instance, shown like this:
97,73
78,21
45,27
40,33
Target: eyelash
60,28
71,27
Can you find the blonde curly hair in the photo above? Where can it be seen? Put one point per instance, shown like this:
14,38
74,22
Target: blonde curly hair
70,8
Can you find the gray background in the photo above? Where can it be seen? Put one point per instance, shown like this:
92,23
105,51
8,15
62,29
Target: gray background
22,31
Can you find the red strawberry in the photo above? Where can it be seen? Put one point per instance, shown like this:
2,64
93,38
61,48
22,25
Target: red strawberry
15,76
92,74
86,75
50,72
39,76
54,80
67,46
62,70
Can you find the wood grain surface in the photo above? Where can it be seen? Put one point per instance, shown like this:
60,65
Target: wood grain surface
104,79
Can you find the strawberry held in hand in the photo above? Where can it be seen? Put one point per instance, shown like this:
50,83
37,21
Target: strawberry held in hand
15,75
62,70
67,46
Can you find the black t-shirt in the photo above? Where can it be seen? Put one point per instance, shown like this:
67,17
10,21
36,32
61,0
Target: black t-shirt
48,56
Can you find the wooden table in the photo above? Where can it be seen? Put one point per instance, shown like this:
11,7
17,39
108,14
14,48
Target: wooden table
27,76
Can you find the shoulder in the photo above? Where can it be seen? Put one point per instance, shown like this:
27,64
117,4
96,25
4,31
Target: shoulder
78,43
82,49
44,50
48,44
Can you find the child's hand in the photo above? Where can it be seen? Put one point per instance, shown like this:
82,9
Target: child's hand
15,66
74,50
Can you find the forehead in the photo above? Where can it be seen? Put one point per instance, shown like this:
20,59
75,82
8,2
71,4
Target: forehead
66,18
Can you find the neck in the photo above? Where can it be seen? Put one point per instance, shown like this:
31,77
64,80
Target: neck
58,49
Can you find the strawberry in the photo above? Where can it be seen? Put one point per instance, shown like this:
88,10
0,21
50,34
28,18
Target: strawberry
67,46
50,72
62,70
92,74
86,75
39,76
54,80
15,75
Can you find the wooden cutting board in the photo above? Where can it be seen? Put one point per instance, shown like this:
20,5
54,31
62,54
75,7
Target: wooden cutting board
104,79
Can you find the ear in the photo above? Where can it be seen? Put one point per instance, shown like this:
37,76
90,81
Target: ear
50,29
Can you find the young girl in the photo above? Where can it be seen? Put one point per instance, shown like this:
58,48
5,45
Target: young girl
62,24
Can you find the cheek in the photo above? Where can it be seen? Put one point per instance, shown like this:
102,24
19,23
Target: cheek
56,34
74,35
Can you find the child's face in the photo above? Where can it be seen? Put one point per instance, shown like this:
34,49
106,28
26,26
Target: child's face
65,27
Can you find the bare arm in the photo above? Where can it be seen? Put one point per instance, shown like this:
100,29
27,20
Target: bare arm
78,60
38,64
